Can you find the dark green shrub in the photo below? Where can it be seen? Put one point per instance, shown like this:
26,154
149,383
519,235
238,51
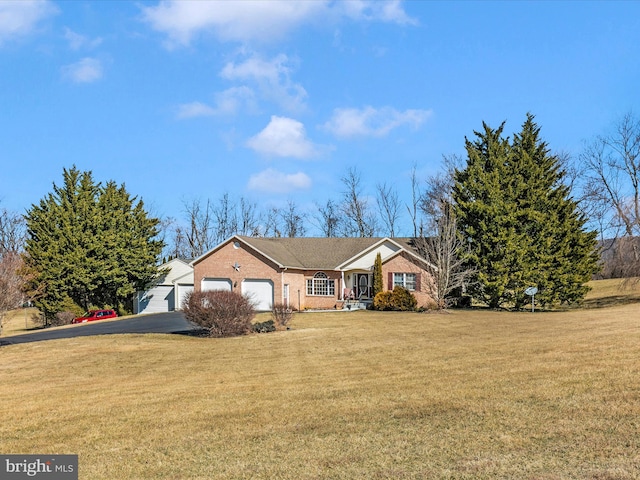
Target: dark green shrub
403,299
264,327
222,313
383,300
399,299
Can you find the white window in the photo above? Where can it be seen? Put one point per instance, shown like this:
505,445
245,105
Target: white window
321,285
406,280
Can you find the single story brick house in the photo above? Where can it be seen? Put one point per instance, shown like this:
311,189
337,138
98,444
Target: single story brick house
310,273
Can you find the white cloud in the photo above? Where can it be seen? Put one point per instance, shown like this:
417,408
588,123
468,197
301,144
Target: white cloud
227,102
372,122
231,100
21,17
389,11
229,21
273,181
77,41
195,109
272,78
86,70
258,20
283,137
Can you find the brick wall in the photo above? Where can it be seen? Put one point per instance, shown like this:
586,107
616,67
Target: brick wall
220,264
323,302
404,263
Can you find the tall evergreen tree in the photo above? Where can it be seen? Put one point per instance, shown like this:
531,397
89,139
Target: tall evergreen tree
521,224
89,245
377,275
478,194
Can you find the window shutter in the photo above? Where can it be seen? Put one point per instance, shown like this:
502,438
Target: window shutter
390,284
418,285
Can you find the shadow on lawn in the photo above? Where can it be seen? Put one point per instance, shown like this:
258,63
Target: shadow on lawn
610,301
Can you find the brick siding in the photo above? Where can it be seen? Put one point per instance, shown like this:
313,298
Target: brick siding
404,263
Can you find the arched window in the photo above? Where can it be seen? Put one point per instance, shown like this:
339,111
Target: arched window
321,285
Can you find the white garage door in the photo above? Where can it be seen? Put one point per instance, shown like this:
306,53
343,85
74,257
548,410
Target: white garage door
216,284
260,292
157,300
183,291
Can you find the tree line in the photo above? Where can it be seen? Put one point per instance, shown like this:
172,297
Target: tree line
509,214
355,214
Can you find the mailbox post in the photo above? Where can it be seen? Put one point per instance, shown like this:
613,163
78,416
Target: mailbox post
531,291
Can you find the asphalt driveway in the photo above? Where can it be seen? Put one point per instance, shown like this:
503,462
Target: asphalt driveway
172,322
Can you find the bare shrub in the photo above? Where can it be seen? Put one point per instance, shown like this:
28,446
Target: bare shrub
63,318
281,314
11,282
222,313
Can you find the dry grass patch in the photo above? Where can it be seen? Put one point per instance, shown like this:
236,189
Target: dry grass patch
23,320
614,291
378,395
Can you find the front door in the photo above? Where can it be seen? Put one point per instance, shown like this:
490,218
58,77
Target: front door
363,285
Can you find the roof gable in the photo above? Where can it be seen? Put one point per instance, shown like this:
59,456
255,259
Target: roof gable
176,269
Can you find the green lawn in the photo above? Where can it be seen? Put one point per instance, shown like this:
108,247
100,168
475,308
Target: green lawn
370,395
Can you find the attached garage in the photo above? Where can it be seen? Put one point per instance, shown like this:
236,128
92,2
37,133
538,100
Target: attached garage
168,292
215,284
182,290
259,291
160,298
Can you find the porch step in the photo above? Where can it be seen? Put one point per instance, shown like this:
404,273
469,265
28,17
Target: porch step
354,305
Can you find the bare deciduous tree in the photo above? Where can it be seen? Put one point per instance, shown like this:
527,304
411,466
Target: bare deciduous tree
328,219
12,231
12,239
359,220
12,284
389,206
249,219
226,220
611,176
272,227
293,221
200,232
445,263
174,239
415,200
437,194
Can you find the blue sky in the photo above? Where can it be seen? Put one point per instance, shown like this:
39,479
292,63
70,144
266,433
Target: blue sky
274,101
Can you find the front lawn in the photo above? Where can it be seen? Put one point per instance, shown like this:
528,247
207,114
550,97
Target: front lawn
371,395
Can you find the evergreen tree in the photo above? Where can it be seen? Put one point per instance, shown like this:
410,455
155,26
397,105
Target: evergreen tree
483,215
89,245
377,275
522,227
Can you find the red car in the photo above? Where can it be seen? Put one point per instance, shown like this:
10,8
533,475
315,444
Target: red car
93,315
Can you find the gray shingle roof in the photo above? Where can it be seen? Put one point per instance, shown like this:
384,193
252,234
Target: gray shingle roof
311,253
